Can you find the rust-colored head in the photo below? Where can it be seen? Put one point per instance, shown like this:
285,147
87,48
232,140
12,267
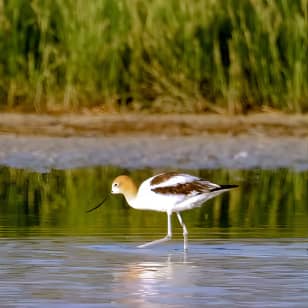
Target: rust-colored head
123,184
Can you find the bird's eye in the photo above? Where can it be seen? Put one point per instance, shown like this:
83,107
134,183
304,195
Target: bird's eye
115,184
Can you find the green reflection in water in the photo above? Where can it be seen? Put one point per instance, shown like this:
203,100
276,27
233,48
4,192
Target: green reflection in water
267,204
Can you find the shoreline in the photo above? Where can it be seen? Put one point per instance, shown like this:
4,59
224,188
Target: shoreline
43,142
64,125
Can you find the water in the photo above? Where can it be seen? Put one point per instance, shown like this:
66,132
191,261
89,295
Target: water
248,247
86,271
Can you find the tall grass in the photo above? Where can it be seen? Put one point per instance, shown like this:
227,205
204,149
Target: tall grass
184,56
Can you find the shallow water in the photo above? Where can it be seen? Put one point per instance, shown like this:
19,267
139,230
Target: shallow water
248,247
210,151
86,271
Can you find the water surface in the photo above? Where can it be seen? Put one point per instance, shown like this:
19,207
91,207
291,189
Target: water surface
88,272
248,247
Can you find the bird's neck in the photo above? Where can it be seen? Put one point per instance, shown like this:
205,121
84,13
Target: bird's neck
131,199
131,195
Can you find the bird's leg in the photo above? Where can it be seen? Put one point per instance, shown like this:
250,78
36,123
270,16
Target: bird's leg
185,232
164,239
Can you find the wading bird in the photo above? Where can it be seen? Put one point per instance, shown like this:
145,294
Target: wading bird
168,192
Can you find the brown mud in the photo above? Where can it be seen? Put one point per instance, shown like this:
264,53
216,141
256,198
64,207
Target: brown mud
44,142
270,124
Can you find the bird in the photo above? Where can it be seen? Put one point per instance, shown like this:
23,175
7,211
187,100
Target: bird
169,192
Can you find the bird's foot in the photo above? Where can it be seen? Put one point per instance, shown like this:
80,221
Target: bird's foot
162,240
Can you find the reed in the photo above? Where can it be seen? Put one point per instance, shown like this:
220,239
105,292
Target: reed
161,56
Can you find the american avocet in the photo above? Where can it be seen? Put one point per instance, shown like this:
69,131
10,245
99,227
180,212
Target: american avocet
168,192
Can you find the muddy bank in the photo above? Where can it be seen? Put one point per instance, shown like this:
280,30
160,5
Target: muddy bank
42,142
273,124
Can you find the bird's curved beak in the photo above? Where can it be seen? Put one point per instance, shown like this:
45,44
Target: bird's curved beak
100,204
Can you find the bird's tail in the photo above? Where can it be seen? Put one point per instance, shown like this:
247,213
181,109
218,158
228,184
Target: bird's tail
224,187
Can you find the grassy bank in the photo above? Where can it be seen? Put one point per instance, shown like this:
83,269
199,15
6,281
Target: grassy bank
182,56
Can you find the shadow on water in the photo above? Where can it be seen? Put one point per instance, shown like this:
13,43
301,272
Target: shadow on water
247,247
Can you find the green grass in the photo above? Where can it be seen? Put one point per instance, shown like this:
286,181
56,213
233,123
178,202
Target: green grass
162,56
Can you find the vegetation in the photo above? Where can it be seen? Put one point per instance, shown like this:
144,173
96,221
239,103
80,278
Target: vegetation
51,204
164,56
